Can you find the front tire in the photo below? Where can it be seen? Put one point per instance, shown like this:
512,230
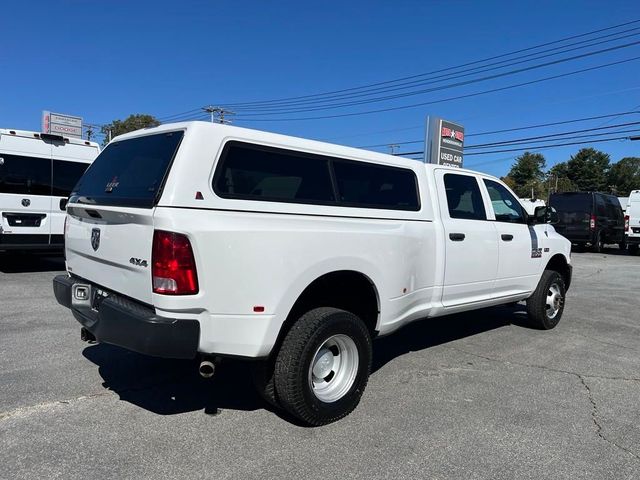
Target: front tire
546,305
323,366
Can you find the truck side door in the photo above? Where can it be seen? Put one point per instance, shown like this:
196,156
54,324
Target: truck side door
471,248
520,249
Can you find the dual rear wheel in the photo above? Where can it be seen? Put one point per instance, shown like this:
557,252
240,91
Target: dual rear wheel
321,369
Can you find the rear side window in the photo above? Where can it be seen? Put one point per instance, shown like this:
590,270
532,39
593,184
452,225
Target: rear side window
25,175
254,172
463,197
376,186
65,176
262,173
129,173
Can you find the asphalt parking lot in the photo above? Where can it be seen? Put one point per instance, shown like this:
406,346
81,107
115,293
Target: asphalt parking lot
471,396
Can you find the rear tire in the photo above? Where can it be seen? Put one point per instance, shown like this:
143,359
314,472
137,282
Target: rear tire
633,249
546,305
323,366
598,244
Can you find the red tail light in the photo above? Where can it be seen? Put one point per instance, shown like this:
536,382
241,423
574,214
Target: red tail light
173,265
626,223
592,223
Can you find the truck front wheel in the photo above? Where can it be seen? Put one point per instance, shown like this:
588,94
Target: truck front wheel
546,305
323,366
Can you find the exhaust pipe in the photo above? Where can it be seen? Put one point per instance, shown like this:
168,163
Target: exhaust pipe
207,369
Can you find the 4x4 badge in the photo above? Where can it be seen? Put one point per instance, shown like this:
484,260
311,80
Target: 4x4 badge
95,238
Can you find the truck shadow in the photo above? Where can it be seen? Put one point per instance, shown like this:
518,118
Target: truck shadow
168,387
15,262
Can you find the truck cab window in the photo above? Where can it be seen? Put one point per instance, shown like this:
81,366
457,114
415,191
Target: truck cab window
505,206
463,197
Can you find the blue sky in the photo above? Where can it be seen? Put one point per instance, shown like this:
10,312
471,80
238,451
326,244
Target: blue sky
105,60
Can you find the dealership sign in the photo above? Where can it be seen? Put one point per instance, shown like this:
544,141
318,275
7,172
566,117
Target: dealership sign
444,142
59,124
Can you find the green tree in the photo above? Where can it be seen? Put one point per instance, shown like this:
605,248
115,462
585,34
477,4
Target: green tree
624,176
129,124
558,180
588,170
526,176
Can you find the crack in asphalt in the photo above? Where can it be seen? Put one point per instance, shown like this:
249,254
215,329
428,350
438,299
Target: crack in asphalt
596,421
29,409
581,377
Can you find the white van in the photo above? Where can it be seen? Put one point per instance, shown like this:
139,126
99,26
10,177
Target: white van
37,173
632,222
199,239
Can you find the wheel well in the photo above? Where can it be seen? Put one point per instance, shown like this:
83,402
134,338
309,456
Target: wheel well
559,264
348,290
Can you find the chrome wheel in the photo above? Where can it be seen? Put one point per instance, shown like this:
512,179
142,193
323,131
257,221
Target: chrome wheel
334,368
554,300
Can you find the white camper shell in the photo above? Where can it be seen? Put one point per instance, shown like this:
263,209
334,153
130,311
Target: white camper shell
37,174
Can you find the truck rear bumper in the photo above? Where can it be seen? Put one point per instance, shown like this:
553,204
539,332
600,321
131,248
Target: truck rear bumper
123,322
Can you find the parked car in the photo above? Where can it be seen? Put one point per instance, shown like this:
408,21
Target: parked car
632,221
37,173
589,218
198,239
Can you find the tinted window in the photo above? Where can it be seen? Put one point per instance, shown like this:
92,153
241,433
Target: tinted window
65,176
505,206
25,175
601,209
571,202
463,197
129,172
262,173
376,186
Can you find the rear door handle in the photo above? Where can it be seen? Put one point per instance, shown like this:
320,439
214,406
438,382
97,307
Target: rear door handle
506,237
456,237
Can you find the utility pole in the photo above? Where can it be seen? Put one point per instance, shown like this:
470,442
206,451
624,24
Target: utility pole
393,147
218,113
89,132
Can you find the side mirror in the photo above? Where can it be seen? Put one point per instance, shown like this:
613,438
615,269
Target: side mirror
546,215
63,203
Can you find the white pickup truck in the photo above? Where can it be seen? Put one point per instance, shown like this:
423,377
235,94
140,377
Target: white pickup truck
203,240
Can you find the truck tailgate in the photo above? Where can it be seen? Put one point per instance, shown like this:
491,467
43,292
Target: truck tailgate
111,247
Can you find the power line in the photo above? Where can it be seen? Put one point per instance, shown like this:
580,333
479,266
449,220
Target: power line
528,127
550,146
326,102
448,99
442,87
190,113
541,138
240,104
521,140
588,139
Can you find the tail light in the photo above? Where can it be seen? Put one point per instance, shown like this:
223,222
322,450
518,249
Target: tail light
592,223
173,265
626,223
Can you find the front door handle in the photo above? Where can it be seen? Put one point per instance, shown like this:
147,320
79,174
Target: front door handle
507,237
456,237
